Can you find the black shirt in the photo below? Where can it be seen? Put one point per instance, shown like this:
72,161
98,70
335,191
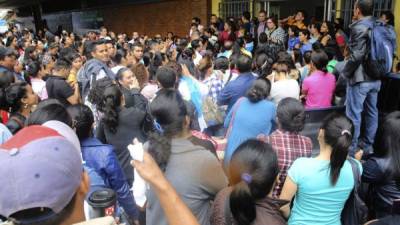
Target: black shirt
58,88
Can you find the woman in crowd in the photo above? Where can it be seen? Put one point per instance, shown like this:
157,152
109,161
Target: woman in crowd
12,42
287,141
305,45
249,117
328,32
382,171
318,89
130,88
76,63
315,31
102,159
121,60
210,78
36,75
252,173
293,38
19,100
274,32
228,34
306,68
148,88
119,125
282,86
47,110
195,173
321,185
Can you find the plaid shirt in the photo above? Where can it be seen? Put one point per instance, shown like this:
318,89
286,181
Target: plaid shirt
214,86
288,147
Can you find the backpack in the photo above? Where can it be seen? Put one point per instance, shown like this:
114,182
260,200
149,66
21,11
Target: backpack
379,60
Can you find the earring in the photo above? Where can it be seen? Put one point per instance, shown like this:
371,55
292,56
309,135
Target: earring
26,106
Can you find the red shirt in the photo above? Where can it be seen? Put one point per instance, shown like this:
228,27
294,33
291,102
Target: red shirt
288,147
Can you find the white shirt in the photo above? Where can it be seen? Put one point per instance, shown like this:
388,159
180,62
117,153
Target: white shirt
198,58
284,89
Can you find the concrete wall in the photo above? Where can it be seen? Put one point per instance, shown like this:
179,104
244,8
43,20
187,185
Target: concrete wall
154,18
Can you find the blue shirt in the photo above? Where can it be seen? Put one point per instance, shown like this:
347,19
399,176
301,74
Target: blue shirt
317,202
235,89
305,47
292,42
248,120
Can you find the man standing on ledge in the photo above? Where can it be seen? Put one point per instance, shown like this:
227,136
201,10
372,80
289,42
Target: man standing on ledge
362,89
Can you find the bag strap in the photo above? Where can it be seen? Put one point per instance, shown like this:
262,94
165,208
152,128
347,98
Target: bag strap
18,121
234,110
227,211
356,173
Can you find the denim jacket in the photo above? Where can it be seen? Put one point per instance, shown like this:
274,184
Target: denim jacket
102,159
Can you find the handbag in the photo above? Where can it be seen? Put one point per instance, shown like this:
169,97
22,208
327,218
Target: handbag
355,211
212,113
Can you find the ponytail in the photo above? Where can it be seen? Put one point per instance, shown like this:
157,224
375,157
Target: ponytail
112,101
160,149
338,135
169,120
242,204
339,155
252,170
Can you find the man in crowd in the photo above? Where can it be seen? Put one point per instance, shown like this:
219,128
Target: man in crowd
52,185
57,86
8,59
96,68
104,34
296,20
238,87
362,90
112,51
262,25
137,52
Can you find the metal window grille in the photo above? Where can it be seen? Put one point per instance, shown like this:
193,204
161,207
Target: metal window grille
233,8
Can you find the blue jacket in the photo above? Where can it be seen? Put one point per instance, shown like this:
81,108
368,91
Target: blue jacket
102,159
235,89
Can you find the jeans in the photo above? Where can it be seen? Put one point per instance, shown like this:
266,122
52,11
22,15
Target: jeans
361,99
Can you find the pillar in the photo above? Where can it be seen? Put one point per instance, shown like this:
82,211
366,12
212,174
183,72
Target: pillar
215,7
338,9
397,25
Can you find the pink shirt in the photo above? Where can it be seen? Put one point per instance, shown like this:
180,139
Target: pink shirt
319,88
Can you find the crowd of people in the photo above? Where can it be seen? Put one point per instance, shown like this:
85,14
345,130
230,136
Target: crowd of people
218,114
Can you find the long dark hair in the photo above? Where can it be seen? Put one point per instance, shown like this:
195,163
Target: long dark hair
259,90
169,112
320,59
253,170
112,98
10,97
96,92
47,112
387,143
338,134
82,118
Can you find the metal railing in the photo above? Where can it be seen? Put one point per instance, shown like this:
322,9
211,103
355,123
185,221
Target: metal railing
234,8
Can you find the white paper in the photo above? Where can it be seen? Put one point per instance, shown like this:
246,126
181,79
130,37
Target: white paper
139,186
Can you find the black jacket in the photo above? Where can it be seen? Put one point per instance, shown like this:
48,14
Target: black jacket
359,45
130,123
383,188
